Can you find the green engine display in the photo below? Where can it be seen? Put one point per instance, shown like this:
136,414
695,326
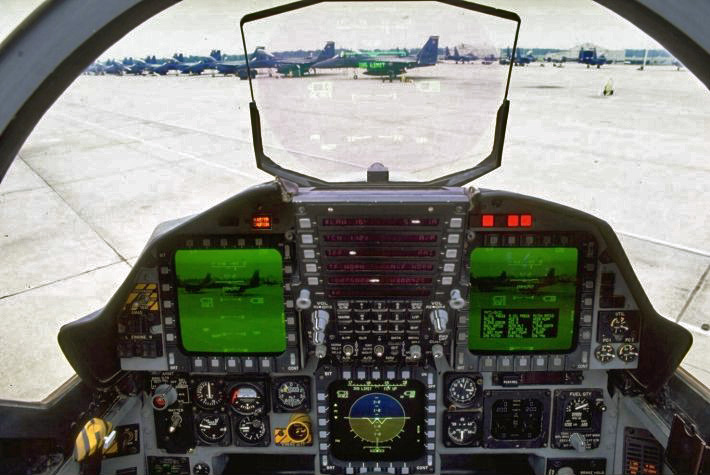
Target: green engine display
231,300
522,299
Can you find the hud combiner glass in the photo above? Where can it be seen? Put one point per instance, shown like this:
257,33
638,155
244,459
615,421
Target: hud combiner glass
339,85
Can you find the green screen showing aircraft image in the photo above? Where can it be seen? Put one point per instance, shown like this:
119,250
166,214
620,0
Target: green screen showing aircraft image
522,299
231,301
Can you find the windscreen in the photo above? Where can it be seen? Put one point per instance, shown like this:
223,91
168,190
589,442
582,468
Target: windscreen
231,301
413,85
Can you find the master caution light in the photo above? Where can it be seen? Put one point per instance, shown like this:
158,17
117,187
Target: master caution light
261,221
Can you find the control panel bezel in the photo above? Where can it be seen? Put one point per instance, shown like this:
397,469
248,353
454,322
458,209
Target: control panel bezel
180,359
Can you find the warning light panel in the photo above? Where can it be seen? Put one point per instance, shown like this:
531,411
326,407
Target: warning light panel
261,221
506,220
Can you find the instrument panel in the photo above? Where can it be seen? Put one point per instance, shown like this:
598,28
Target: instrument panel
381,332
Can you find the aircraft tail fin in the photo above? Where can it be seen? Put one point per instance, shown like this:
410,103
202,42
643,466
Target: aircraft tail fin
327,53
429,52
255,280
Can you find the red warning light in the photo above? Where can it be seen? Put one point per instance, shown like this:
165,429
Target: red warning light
513,220
487,220
262,221
526,220
159,401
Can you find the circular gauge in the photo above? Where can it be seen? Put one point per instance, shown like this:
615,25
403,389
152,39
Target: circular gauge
298,431
462,390
462,429
619,325
251,429
246,399
211,428
628,353
291,394
604,353
208,394
578,413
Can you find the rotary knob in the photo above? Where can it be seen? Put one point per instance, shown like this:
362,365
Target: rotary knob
439,317
456,302
303,302
578,442
415,352
348,351
319,318
379,351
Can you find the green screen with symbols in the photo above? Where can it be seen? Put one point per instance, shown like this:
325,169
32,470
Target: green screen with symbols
231,300
522,299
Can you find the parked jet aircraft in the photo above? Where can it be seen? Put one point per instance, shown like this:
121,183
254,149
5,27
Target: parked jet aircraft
301,66
138,67
384,65
163,69
115,68
590,58
458,57
259,59
197,67
231,287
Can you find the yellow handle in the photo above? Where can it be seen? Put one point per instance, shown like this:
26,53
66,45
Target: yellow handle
91,438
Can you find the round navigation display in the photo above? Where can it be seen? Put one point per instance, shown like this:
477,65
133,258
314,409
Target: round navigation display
377,418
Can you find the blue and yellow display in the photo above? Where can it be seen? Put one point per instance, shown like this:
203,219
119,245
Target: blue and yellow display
231,300
522,299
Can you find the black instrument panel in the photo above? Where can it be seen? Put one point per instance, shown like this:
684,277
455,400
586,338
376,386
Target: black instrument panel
406,326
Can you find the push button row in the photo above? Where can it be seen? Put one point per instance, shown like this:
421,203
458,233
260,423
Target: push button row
379,305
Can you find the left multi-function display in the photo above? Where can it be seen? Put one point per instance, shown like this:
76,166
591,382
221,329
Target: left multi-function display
230,300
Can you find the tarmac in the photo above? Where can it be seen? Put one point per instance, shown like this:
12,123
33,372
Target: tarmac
115,156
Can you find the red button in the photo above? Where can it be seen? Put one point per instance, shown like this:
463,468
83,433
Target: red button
158,402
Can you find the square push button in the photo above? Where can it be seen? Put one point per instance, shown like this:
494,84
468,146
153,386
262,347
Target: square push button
539,363
304,223
456,222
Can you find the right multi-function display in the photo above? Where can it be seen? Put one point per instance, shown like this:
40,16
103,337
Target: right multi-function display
522,299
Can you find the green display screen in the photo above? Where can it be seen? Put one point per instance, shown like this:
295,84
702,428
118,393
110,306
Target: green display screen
522,299
231,301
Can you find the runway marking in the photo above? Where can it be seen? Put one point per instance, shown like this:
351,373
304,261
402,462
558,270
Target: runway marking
208,133
160,146
661,242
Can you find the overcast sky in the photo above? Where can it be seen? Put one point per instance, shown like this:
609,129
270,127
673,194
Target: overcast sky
197,26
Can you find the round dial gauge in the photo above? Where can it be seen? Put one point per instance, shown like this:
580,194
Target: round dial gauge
619,325
212,428
462,429
297,431
291,394
208,394
604,353
578,413
462,390
251,429
628,353
246,399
